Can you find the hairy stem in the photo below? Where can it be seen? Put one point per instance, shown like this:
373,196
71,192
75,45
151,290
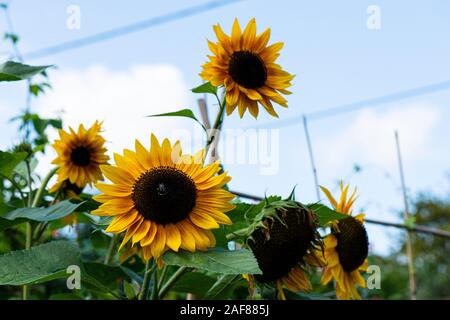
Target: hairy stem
173,279
149,269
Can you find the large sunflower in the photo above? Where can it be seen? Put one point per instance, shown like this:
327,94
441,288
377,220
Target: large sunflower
285,240
245,65
80,155
164,199
346,248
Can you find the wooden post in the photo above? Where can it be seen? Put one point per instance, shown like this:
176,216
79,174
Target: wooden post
409,250
311,157
214,155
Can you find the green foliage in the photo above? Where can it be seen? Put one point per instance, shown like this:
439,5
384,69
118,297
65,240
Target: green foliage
39,125
108,276
44,214
14,38
196,283
324,214
9,161
206,87
223,287
14,71
216,260
39,264
186,113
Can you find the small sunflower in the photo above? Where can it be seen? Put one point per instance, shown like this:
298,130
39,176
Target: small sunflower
346,248
282,243
164,199
245,65
80,155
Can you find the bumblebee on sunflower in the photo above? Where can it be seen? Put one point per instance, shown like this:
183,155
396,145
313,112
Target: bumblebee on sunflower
164,199
245,65
345,248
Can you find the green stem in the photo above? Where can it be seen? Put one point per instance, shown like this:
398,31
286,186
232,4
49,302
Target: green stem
237,234
173,279
29,234
41,189
29,229
155,286
217,125
37,197
112,245
163,276
17,187
30,194
149,269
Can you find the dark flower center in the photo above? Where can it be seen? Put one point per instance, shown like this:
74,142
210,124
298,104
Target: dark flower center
352,243
247,69
80,156
164,195
280,247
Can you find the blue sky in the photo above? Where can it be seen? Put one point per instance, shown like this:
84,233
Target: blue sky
336,58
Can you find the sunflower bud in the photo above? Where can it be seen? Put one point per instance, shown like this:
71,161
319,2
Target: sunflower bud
24,147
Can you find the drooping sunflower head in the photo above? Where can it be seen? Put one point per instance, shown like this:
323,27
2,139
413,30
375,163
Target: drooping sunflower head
80,155
164,199
346,248
245,66
281,242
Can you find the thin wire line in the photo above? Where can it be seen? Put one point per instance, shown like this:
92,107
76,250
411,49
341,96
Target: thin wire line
373,102
127,29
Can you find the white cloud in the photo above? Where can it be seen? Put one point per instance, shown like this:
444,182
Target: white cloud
121,98
369,138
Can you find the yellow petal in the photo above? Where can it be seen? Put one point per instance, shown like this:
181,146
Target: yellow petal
173,237
236,36
203,221
159,242
122,222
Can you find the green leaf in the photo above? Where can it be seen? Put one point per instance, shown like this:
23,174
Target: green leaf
12,36
224,283
5,223
90,282
216,260
245,212
205,88
221,239
41,263
194,282
13,71
21,168
44,214
65,296
98,220
187,113
325,214
9,161
109,276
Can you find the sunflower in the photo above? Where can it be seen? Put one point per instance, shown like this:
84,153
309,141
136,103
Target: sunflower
286,238
245,65
346,248
80,155
164,199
